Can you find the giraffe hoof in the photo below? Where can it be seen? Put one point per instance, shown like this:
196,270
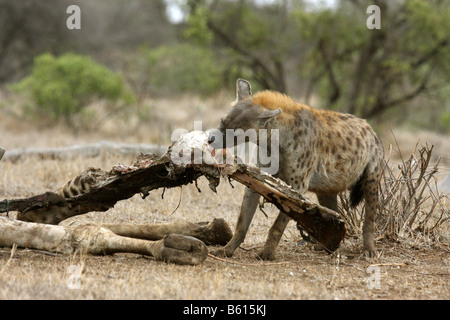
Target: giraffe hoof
184,250
221,232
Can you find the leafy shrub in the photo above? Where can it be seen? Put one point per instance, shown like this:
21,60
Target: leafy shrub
445,121
63,86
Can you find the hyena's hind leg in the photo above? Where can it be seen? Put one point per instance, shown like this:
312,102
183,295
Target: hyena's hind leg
367,188
370,192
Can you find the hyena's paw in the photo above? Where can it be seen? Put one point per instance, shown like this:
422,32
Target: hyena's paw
368,248
267,255
221,252
370,252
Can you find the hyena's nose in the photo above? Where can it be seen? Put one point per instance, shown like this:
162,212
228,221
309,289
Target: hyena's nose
215,138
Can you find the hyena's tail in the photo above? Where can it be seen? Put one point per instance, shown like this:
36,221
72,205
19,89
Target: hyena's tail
356,192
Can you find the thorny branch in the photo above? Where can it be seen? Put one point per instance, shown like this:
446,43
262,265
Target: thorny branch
410,201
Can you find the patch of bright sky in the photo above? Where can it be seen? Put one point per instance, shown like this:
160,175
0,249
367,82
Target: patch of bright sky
176,14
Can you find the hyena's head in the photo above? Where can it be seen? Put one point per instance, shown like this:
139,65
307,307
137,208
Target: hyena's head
244,120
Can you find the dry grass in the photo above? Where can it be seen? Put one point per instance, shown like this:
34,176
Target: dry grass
409,267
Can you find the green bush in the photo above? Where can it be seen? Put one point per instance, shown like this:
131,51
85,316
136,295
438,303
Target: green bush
184,68
445,122
63,86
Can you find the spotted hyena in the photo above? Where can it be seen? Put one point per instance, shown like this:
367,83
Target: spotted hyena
322,151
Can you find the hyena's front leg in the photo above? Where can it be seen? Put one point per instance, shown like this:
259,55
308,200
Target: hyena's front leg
274,237
248,208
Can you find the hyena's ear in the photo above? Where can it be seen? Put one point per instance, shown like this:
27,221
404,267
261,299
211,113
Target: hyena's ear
243,90
268,114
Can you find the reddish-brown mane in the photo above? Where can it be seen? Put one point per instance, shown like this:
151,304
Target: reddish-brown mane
273,100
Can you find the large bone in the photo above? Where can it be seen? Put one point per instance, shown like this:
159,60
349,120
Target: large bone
216,232
95,239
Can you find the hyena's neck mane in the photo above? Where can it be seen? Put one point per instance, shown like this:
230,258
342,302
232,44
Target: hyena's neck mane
273,100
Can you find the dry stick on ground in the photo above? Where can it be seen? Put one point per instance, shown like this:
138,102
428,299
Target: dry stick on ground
247,264
150,172
86,151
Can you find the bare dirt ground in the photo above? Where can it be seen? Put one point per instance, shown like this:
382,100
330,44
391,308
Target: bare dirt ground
410,268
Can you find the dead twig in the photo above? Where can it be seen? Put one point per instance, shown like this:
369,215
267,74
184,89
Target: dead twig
262,263
392,264
13,252
410,200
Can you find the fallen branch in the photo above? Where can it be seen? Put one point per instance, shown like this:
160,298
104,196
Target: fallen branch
85,151
97,190
105,189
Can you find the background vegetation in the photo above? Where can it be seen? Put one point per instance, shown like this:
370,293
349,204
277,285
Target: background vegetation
135,72
63,86
319,50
